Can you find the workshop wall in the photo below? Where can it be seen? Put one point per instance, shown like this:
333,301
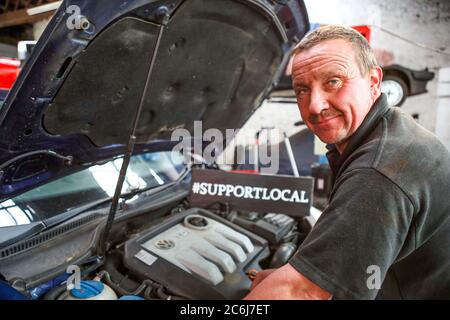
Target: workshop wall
425,23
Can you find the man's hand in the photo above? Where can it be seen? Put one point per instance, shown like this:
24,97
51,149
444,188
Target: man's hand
285,283
260,276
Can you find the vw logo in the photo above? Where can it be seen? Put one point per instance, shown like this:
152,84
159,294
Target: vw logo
165,244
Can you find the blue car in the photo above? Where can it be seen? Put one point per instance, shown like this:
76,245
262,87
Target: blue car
104,89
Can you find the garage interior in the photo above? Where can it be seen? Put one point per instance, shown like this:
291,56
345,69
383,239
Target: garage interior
159,238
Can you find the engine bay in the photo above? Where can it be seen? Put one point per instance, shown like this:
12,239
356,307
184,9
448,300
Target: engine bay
196,254
189,253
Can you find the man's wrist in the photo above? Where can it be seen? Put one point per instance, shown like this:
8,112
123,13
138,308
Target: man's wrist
301,286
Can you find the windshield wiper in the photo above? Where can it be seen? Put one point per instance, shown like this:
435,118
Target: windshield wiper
131,194
63,217
12,234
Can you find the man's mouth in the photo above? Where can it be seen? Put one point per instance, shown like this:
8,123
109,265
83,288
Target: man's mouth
326,120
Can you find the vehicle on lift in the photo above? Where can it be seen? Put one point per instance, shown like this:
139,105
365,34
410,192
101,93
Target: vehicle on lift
10,67
400,82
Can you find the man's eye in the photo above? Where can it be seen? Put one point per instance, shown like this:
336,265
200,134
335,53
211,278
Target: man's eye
301,91
333,82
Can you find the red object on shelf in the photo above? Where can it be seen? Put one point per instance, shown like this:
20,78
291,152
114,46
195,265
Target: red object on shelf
249,171
364,30
9,70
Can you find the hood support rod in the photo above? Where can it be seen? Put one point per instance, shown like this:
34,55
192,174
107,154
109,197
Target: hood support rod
163,13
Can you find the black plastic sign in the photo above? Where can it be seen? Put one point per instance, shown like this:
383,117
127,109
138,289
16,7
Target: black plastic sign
252,192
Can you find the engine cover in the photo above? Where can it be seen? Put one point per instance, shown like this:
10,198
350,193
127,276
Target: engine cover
198,255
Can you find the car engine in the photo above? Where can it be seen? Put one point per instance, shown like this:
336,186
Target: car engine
190,253
201,254
197,253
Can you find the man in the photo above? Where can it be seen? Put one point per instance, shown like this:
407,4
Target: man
386,230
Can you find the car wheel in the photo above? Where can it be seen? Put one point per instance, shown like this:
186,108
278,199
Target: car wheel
396,90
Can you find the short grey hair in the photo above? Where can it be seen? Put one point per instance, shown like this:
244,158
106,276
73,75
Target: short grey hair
364,54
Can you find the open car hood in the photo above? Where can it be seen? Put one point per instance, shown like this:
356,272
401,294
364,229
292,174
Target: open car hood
74,102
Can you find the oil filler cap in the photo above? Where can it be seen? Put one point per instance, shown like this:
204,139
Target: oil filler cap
197,222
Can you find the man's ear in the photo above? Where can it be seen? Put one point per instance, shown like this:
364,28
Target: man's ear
376,76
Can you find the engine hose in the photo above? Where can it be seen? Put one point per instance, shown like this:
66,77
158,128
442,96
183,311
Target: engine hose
162,295
282,255
145,284
55,293
63,295
90,269
114,260
148,293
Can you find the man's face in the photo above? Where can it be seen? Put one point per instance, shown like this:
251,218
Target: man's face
332,95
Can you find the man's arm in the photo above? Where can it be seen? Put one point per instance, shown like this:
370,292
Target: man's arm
286,283
364,226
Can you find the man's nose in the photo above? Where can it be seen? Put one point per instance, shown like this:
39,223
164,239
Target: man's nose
318,101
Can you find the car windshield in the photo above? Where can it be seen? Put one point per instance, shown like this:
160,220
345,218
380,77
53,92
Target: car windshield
94,183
